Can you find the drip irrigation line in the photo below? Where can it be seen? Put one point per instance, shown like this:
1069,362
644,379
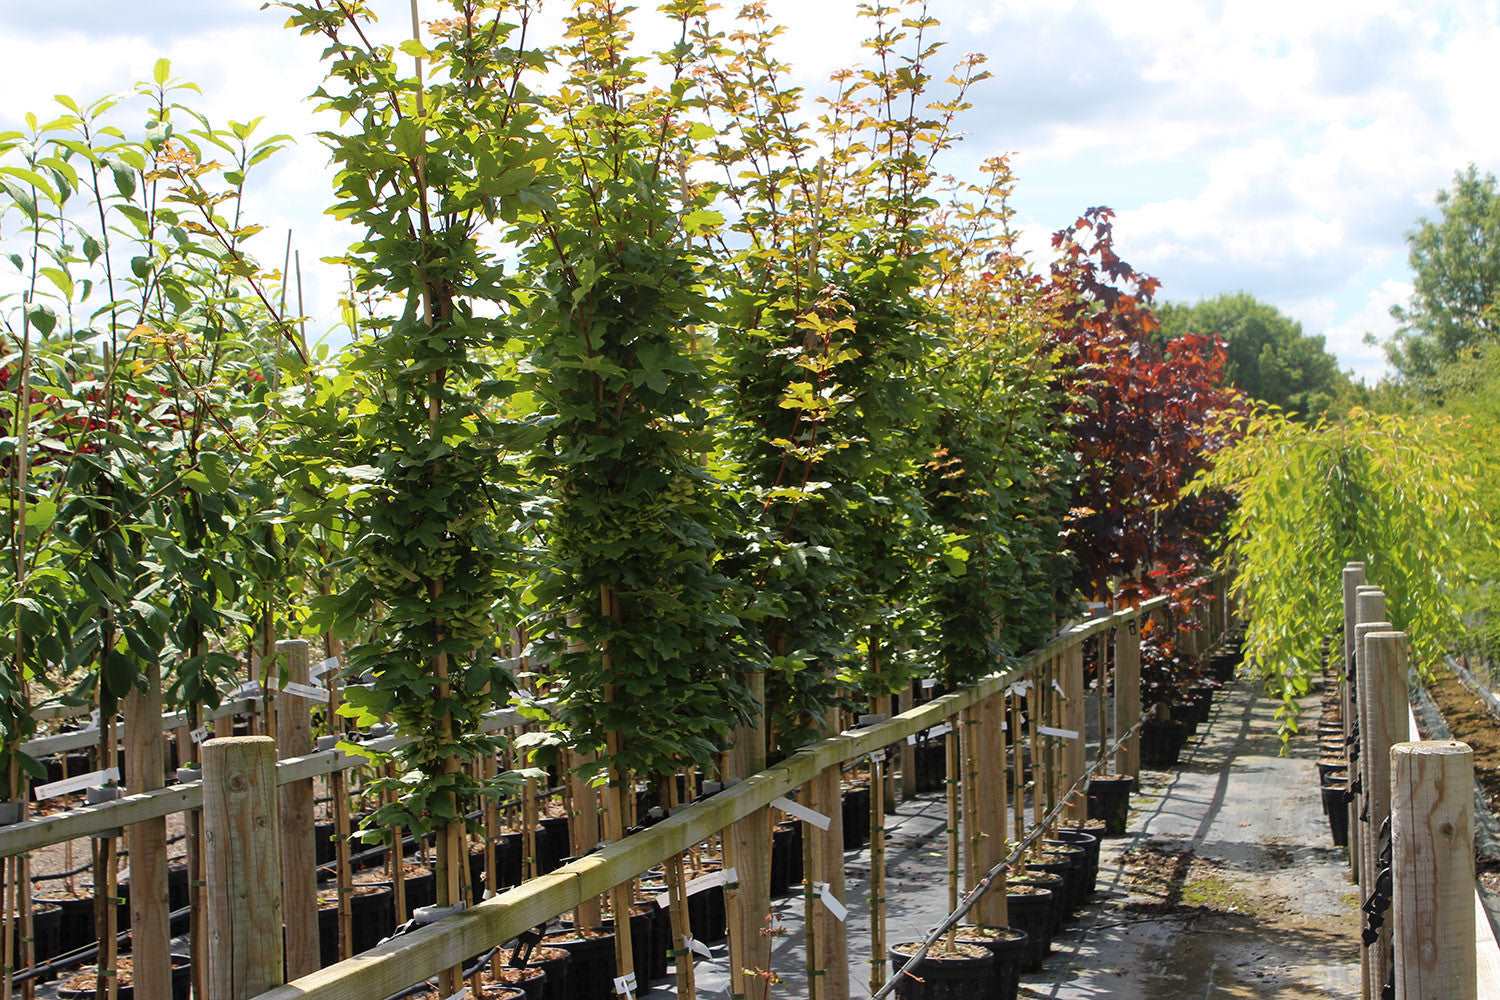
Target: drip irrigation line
983,885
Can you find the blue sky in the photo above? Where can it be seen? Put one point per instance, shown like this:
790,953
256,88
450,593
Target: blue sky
1280,148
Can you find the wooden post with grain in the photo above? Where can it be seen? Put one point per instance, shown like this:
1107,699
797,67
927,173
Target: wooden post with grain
1354,578
1383,723
242,861
1432,869
299,874
150,935
747,901
832,939
990,796
1072,710
1127,697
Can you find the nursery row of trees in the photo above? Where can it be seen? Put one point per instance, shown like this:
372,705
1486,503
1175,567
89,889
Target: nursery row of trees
718,402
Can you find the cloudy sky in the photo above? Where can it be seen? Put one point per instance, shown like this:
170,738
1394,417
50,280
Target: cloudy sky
1280,148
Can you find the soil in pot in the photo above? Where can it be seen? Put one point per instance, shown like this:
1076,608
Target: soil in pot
645,955
488,991
591,965
531,980
1030,909
81,984
553,961
1009,946
1112,793
957,972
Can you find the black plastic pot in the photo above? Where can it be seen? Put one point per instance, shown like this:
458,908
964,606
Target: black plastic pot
591,964
76,919
1056,885
1336,807
1009,946
1112,795
372,919
530,982
552,844
182,983
647,951
786,841
932,765
856,808
1072,880
963,976
1078,863
1161,742
1090,844
1032,912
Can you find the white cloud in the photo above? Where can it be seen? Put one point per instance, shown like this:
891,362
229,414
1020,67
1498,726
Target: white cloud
1282,148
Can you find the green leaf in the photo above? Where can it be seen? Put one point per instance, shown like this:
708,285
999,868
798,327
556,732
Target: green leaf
703,220
162,70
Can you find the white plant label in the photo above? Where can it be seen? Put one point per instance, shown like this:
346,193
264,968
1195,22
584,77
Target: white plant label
307,691
911,740
249,689
802,812
1066,734
1058,688
838,909
329,664
200,734
929,682
625,985
697,947
698,884
77,783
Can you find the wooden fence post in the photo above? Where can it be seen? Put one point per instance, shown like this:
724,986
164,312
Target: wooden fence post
748,899
1383,708
1368,832
242,867
1432,869
1128,696
832,938
991,796
1074,717
1369,606
150,909
1354,577
299,874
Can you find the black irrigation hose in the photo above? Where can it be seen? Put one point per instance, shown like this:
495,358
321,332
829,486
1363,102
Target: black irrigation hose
80,955
972,896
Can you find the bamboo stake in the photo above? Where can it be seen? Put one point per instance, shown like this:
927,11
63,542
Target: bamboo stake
677,906
950,746
342,821
816,987
1017,748
878,793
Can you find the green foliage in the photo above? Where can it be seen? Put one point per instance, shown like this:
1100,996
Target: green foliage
429,480
1395,492
1270,358
644,622
1455,262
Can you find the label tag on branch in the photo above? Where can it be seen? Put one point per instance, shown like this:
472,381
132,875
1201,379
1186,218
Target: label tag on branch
928,683
1058,688
802,812
625,986
664,900
331,663
77,783
838,909
695,946
200,734
1019,688
1066,734
249,689
307,691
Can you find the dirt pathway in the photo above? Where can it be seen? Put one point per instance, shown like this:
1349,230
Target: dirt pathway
1228,884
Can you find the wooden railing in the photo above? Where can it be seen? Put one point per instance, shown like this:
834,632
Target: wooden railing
415,956
1411,829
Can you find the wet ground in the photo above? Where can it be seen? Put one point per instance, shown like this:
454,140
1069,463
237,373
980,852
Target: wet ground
1227,884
